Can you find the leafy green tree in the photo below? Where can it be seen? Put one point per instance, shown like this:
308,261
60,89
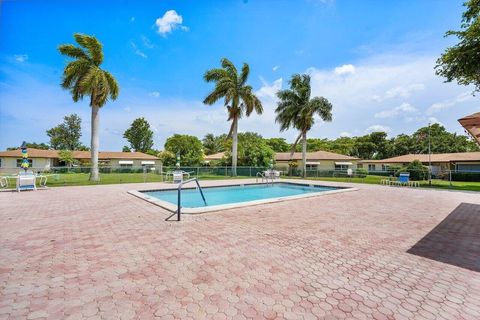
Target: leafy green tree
42,146
315,144
342,145
66,156
461,62
67,134
402,144
189,147
126,149
214,144
139,135
297,110
278,144
168,158
441,141
416,169
239,98
253,151
84,77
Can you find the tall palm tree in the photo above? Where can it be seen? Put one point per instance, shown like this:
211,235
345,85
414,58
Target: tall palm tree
239,98
84,77
296,110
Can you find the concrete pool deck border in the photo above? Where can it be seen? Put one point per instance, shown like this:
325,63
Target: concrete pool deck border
173,208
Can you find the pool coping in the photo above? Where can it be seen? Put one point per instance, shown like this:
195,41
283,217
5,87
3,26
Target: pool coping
187,210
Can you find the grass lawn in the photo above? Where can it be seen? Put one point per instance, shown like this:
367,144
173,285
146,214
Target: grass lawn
80,179
436,184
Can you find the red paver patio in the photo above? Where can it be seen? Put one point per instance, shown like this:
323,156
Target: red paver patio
100,253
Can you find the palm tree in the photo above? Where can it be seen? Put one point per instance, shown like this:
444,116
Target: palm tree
238,98
84,77
296,110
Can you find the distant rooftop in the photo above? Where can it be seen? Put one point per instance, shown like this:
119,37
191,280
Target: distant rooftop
437,157
102,155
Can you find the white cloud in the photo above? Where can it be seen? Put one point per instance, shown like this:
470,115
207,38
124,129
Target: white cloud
345,69
439,106
275,68
403,91
21,57
170,21
345,134
378,128
154,94
147,43
269,90
137,51
401,109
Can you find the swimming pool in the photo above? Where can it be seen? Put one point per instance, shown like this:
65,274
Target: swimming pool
230,196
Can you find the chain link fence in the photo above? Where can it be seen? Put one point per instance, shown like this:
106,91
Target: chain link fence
69,176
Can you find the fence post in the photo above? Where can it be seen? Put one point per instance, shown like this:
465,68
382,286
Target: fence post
250,174
450,178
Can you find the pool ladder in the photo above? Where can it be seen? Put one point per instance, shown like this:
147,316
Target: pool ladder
263,177
179,196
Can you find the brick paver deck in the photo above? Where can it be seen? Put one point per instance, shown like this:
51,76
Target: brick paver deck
100,253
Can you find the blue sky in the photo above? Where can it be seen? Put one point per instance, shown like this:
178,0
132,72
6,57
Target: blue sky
372,59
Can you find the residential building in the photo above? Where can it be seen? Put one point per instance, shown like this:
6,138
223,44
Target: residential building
43,160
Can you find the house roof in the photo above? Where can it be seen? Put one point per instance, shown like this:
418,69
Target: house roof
102,155
215,156
317,155
471,123
437,157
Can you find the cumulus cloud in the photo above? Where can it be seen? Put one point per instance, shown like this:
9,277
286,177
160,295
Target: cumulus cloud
170,21
345,69
378,128
439,106
269,90
21,57
154,94
401,109
404,91
345,134
275,68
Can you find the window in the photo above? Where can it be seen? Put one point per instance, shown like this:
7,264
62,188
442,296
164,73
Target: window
385,167
126,165
0,163
360,166
19,163
371,167
312,167
341,167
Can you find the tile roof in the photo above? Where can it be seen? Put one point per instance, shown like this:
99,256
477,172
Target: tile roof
437,157
215,156
102,155
471,123
317,155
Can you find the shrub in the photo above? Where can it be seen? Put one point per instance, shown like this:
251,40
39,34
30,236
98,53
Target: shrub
416,169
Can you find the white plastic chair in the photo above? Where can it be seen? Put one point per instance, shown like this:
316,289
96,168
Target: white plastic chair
26,181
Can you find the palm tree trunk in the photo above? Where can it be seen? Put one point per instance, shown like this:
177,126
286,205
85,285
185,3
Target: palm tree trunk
234,146
304,154
94,143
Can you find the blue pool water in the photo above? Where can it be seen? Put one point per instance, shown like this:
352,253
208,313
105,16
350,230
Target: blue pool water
191,198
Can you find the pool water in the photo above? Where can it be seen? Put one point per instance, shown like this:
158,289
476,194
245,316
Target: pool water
191,198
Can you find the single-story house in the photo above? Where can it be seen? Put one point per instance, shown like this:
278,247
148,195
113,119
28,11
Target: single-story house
44,160
318,160
461,161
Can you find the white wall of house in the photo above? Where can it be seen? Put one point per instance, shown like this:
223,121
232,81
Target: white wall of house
320,165
9,164
133,163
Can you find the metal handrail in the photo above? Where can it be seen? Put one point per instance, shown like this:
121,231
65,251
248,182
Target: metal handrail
261,175
179,205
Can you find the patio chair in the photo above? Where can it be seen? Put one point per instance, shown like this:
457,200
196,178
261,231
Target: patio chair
276,174
26,181
403,179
